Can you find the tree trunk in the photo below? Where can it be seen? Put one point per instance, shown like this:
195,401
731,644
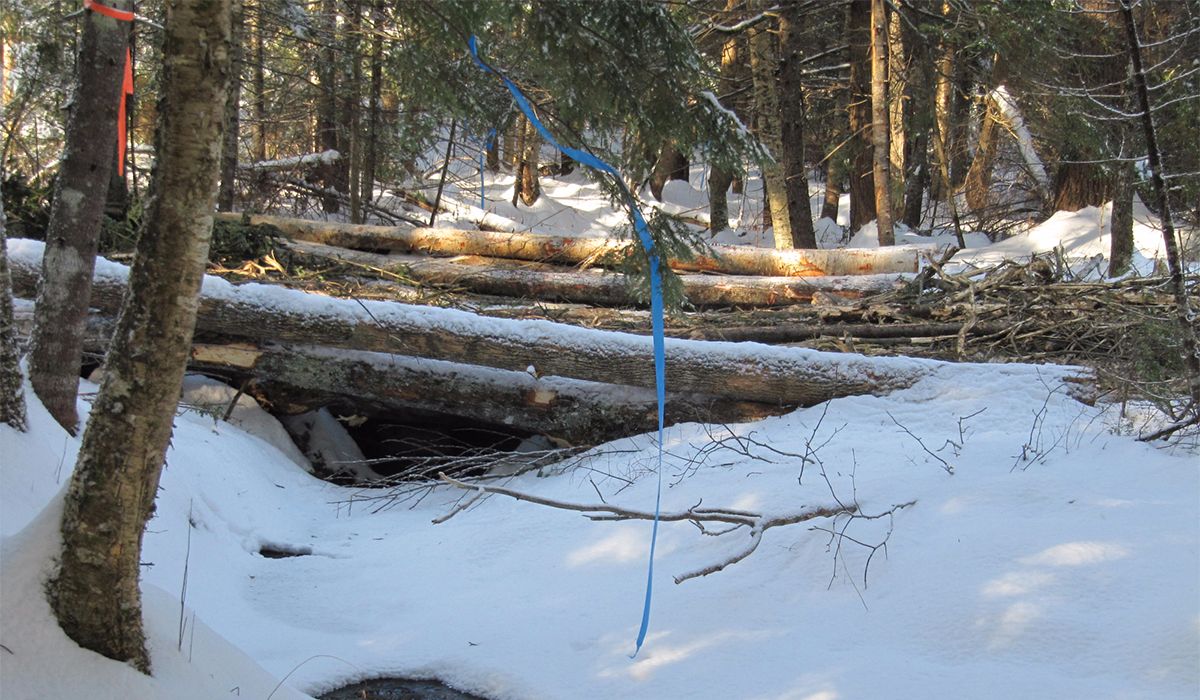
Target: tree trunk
75,217
943,95
12,394
527,176
978,186
587,250
860,147
719,180
371,147
791,91
1079,185
233,109
671,165
1189,343
721,177
327,106
782,377
880,131
835,170
1120,256
764,67
899,100
352,138
95,593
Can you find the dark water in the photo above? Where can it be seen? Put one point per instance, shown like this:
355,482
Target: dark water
398,689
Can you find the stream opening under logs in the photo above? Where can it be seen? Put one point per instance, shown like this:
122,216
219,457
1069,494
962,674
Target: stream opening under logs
398,689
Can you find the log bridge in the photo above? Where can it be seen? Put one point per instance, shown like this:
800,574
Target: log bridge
579,385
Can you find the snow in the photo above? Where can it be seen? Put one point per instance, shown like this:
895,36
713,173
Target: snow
1046,553
1071,572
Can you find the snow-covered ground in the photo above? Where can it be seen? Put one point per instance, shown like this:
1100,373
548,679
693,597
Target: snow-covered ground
1044,553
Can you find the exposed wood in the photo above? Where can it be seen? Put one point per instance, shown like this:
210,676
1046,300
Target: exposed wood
741,372
540,281
574,250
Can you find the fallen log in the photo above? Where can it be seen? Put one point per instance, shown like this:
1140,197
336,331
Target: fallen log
583,250
541,281
573,411
793,333
748,372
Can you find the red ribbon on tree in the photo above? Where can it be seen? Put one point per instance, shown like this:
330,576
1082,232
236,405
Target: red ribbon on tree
127,79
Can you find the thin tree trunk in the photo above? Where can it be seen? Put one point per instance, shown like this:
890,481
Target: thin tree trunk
763,69
978,185
835,170
233,108
671,165
791,91
12,395
353,106
880,131
95,593
1120,256
899,107
327,112
862,181
1189,343
722,176
74,228
719,180
527,175
371,148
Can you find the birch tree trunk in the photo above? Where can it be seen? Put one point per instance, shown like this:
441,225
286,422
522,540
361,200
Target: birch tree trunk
95,593
74,229
12,398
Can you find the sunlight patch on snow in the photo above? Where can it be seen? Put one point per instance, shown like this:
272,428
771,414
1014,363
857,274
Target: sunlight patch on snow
658,655
1017,583
1012,624
619,547
1078,554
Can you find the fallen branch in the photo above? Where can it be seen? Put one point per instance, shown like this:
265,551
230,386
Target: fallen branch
756,522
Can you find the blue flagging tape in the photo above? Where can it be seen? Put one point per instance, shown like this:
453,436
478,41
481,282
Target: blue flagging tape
656,302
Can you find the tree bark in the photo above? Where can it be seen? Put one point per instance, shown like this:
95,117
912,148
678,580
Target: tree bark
791,91
12,394
233,109
860,147
588,250
880,129
978,185
721,177
1120,255
528,184
743,373
835,170
1079,185
371,147
576,412
95,593
73,232
671,165
764,66
327,106
1189,343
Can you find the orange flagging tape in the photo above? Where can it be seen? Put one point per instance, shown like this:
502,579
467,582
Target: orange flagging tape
127,79
119,15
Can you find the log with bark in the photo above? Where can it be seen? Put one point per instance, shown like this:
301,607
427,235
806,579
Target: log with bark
584,250
546,282
747,372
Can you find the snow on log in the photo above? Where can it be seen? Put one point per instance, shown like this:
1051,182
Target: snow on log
743,371
587,250
529,280
283,164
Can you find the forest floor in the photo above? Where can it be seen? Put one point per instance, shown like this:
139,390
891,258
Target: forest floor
979,534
